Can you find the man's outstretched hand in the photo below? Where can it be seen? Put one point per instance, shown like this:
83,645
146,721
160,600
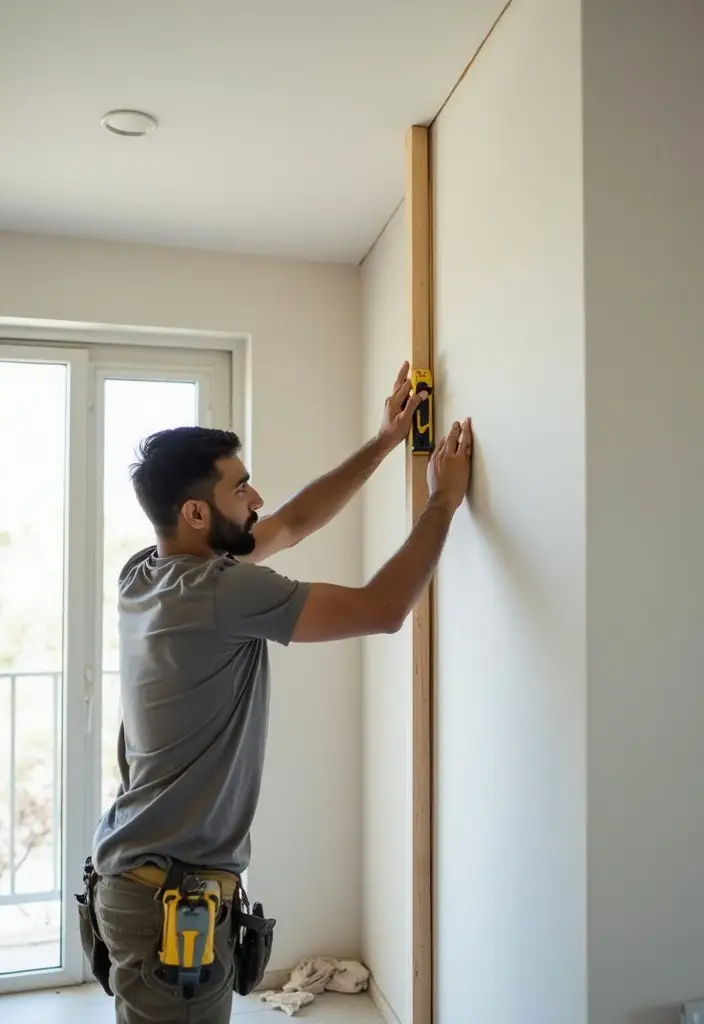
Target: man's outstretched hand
397,420
450,466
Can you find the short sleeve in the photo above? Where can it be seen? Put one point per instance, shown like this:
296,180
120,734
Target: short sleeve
253,601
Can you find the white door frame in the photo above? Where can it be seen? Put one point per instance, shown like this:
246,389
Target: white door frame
91,362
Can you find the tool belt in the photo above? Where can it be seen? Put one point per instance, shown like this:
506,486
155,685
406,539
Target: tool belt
192,902
94,947
151,875
253,942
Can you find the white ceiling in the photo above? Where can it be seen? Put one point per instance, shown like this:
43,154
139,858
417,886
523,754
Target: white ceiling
281,121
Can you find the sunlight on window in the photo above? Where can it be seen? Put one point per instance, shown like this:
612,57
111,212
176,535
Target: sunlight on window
33,472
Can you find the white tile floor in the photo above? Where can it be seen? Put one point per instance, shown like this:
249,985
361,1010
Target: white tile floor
88,1005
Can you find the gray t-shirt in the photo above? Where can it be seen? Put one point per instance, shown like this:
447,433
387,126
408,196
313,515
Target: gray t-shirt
194,670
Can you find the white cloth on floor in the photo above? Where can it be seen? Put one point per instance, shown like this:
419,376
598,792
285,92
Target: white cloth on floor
316,975
326,974
311,976
349,977
289,1002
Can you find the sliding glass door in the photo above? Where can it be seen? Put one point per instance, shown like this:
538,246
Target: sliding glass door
70,422
43,406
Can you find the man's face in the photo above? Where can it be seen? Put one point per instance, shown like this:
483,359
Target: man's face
233,510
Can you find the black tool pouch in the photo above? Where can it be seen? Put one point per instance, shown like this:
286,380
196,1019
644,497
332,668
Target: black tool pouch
93,946
254,940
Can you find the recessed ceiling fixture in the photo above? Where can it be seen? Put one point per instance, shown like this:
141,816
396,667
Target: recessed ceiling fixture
132,123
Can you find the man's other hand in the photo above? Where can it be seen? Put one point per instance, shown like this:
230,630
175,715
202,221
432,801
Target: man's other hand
451,463
397,419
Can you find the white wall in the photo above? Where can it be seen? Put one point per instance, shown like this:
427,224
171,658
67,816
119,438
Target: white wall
510,629
304,321
644,223
387,659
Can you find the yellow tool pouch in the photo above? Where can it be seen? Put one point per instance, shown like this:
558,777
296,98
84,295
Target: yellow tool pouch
191,907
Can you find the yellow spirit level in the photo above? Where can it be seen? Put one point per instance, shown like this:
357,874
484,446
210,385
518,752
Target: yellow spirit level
422,434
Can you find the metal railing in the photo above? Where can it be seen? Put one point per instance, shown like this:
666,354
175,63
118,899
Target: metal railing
32,812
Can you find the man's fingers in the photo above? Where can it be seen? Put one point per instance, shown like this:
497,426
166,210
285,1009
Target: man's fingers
410,407
439,447
402,376
465,442
402,391
453,438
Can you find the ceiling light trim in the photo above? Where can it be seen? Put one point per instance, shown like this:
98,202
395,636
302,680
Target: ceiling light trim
129,123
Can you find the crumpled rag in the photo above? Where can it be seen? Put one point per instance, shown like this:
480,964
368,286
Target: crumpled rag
289,1002
315,975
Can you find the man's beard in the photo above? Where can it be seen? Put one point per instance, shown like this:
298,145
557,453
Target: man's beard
229,538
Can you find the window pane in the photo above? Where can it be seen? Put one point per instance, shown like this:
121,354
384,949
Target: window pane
33,417
134,409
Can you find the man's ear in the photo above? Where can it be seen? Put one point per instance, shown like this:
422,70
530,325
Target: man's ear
196,514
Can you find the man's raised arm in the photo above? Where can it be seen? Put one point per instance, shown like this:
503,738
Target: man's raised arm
336,613
318,503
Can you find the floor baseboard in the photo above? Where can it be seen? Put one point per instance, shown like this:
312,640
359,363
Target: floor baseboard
382,1004
274,981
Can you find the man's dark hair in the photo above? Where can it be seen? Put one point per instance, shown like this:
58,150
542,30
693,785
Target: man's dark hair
175,465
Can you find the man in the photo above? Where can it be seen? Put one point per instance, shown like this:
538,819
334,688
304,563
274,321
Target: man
196,613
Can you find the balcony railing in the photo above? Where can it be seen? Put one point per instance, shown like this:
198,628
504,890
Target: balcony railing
30,790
